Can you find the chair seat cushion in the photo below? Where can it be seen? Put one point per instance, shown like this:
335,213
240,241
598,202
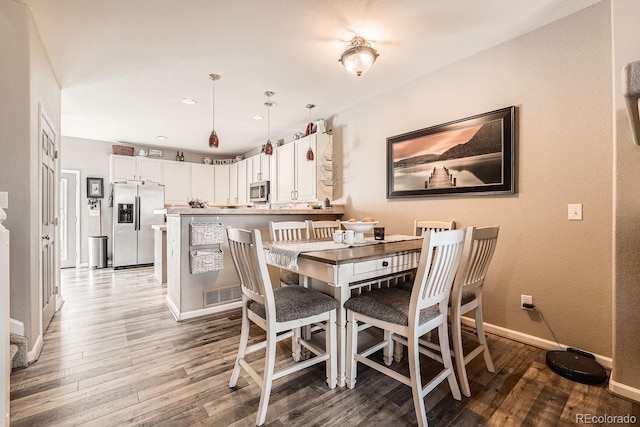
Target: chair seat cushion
289,278
467,297
296,302
389,305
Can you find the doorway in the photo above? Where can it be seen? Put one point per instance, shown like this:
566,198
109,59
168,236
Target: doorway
69,218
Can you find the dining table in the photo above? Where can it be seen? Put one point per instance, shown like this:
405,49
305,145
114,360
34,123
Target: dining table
343,271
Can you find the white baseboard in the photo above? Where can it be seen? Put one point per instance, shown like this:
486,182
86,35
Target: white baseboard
35,351
624,390
16,327
607,362
202,312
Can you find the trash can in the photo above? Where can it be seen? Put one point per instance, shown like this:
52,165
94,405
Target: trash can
98,251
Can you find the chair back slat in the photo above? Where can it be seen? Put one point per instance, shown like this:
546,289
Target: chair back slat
439,259
288,230
248,257
480,245
422,227
323,229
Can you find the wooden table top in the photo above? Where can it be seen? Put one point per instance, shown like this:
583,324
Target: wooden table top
359,253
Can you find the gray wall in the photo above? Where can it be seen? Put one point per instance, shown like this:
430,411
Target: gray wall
559,77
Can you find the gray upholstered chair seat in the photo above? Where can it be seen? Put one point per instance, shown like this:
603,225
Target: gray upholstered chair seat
389,305
289,278
296,302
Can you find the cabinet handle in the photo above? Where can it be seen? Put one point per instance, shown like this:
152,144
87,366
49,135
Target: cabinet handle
385,263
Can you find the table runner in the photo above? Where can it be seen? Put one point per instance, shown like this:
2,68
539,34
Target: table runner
285,254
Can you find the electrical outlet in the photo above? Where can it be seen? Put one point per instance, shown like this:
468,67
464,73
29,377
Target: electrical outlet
525,299
575,212
4,200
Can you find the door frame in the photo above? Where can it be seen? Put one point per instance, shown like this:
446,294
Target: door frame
77,227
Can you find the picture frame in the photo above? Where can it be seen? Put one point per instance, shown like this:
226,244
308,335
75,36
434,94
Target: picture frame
470,156
95,188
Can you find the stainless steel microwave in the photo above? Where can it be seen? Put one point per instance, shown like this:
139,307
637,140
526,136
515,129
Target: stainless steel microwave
259,191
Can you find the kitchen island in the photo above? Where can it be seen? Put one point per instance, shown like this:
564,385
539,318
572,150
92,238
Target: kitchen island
201,277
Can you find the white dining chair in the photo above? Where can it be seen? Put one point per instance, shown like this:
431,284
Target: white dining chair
279,312
466,296
288,230
406,316
323,229
420,227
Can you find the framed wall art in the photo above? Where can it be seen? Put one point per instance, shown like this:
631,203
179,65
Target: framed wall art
95,189
471,156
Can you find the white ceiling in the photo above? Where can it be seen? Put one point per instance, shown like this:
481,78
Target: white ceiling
124,66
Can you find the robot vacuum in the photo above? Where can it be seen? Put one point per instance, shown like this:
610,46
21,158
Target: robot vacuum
577,366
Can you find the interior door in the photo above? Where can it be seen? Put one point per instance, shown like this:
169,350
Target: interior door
48,285
69,219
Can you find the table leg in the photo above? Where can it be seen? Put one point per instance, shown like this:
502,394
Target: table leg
342,294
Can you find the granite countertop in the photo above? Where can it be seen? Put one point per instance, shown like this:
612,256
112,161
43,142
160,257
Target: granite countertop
337,210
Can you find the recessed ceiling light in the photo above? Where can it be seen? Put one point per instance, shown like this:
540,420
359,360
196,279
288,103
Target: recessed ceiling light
161,137
189,101
258,117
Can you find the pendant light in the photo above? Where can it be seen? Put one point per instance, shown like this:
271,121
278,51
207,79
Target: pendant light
359,56
213,138
310,155
268,148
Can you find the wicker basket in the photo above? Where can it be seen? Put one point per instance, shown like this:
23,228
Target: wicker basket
122,150
204,260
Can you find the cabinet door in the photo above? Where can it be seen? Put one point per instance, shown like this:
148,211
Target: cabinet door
221,185
122,168
305,170
255,168
243,185
265,167
233,184
150,169
177,182
285,173
202,182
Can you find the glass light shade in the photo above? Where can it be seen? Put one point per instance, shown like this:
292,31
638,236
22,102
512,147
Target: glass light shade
359,57
214,142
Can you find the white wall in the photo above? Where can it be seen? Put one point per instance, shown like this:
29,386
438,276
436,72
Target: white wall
91,158
26,83
625,378
559,78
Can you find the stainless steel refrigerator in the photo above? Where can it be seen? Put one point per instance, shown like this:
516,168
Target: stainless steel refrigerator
133,206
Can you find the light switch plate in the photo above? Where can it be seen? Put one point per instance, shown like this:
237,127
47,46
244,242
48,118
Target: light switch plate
94,212
4,200
575,212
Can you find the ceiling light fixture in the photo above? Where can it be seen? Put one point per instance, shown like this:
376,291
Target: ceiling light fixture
213,138
359,56
189,101
268,148
161,137
310,155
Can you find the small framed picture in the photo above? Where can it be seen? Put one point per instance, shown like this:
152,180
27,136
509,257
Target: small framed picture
95,188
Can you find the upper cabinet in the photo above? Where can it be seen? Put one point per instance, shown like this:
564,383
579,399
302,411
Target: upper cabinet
122,168
202,182
222,181
177,178
260,168
298,179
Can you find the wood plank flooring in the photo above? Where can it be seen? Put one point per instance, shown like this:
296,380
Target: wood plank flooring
114,356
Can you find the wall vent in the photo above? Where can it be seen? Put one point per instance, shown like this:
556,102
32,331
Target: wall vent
222,296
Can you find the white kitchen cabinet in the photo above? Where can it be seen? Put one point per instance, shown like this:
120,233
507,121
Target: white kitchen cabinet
222,181
260,168
233,183
298,179
202,182
177,183
122,168
244,170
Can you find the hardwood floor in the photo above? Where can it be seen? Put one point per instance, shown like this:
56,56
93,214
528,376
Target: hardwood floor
115,356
